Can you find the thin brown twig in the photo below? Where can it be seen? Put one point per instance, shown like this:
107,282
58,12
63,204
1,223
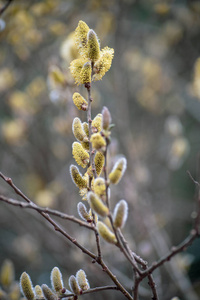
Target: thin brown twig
93,290
3,9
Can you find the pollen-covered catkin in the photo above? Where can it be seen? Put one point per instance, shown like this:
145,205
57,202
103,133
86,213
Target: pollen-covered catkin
86,73
118,170
56,279
80,102
7,273
26,286
48,294
82,280
105,233
82,211
78,131
97,123
99,187
81,33
97,205
98,142
120,214
80,155
93,46
38,292
77,178
73,284
99,162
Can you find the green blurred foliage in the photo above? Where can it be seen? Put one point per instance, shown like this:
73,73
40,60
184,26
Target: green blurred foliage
152,93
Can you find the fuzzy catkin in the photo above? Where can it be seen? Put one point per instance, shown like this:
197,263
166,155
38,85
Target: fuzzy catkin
48,294
105,233
82,280
120,214
56,279
97,205
93,46
74,285
118,170
26,286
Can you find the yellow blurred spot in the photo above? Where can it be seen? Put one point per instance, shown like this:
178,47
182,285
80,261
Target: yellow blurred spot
14,131
58,28
196,80
7,79
21,103
162,8
45,198
68,49
36,87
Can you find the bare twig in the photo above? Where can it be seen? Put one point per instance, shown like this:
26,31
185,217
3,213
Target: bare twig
3,9
94,290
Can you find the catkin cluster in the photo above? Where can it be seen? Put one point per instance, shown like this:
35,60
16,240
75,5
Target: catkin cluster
93,138
77,285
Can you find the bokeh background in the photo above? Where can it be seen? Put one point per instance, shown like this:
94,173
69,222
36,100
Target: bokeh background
153,94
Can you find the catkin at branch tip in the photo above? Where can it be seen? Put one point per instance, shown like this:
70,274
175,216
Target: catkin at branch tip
118,170
97,205
120,214
48,294
26,286
74,286
82,280
105,233
56,279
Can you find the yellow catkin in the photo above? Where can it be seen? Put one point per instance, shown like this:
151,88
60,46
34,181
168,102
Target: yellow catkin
77,178
86,72
120,214
80,154
78,131
56,279
79,101
26,286
81,33
82,211
86,128
99,162
99,187
73,284
85,145
104,63
196,81
98,142
97,205
96,123
57,76
82,280
93,46
38,292
76,67
105,233
7,273
118,170
48,294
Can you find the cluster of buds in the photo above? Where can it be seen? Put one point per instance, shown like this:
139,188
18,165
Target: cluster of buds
77,285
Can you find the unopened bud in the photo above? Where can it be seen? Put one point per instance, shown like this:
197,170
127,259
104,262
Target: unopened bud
82,211
118,170
48,294
56,279
105,233
38,292
7,273
106,118
26,286
73,284
120,214
97,205
82,280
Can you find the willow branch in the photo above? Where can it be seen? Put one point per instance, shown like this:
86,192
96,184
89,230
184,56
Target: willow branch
3,9
94,290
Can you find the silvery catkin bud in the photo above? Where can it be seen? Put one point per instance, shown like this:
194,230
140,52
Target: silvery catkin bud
105,233
118,170
7,273
48,294
82,280
26,286
73,284
56,279
97,205
106,118
80,102
82,211
78,131
38,292
120,214
93,46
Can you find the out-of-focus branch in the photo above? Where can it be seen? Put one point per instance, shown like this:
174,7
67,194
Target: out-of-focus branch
2,9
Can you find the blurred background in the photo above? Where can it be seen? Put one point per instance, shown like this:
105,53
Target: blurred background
153,94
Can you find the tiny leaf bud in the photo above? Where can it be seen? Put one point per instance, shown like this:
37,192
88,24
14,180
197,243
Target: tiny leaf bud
93,46
78,131
82,280
105,233
82,211
106,118
48,294
80,155
118,170
98,142
26,286
120,214
80,102
77,178
73,284
56,279
97,205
